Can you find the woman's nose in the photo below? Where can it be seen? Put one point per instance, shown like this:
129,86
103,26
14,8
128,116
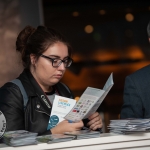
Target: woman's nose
62,66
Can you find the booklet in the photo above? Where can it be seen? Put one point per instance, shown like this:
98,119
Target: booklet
66,108
61,107
130,125
19,138
89,102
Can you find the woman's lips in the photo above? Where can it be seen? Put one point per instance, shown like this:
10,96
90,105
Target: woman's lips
58,76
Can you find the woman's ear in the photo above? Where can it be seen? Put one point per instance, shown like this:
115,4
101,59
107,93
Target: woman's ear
33,59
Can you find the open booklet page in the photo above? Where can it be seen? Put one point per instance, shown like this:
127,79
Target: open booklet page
61,107
89,101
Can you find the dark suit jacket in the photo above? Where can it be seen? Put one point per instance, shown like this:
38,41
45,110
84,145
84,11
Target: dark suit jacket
137,95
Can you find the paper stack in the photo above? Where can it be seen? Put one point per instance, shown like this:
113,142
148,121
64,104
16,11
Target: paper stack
54,138
84,134
19,138
128,126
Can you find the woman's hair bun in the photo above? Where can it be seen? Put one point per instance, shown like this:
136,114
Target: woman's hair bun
23,37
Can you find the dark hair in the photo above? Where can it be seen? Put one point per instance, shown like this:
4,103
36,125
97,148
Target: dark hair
35,41
148,29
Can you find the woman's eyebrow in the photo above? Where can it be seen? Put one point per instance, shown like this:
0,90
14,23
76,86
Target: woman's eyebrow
56,56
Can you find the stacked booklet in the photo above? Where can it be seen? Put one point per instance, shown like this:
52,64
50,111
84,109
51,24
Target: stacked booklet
128,126
19,138
54,138
84,134
66,108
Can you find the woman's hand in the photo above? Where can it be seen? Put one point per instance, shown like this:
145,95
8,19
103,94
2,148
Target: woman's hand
95,121
65,126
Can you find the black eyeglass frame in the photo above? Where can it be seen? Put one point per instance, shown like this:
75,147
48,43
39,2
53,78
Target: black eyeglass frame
62,61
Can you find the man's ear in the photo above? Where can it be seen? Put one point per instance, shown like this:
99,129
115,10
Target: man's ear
33,59
149,39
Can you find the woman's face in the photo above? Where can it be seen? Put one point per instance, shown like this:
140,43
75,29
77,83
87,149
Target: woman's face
43,71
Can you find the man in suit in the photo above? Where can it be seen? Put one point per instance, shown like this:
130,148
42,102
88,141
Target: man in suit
137,93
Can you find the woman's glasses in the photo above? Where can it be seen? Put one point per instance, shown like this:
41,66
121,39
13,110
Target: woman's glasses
56,62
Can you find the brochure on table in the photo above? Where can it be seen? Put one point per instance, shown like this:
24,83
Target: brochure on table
129,125
53,138
66,108
84,134
19,138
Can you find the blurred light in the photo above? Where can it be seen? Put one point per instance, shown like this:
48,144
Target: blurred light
105,55
102,12
88,29
149,8
75,14
129,17
134,52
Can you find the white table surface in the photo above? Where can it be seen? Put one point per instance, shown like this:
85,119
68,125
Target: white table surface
109,141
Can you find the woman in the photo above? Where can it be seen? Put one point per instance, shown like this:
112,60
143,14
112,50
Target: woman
45,57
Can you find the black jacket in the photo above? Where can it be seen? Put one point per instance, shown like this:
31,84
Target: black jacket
36,114
137,95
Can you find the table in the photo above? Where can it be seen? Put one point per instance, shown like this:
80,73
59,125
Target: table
106,141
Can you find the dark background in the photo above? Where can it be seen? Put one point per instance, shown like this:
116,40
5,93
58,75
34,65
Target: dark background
115,45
